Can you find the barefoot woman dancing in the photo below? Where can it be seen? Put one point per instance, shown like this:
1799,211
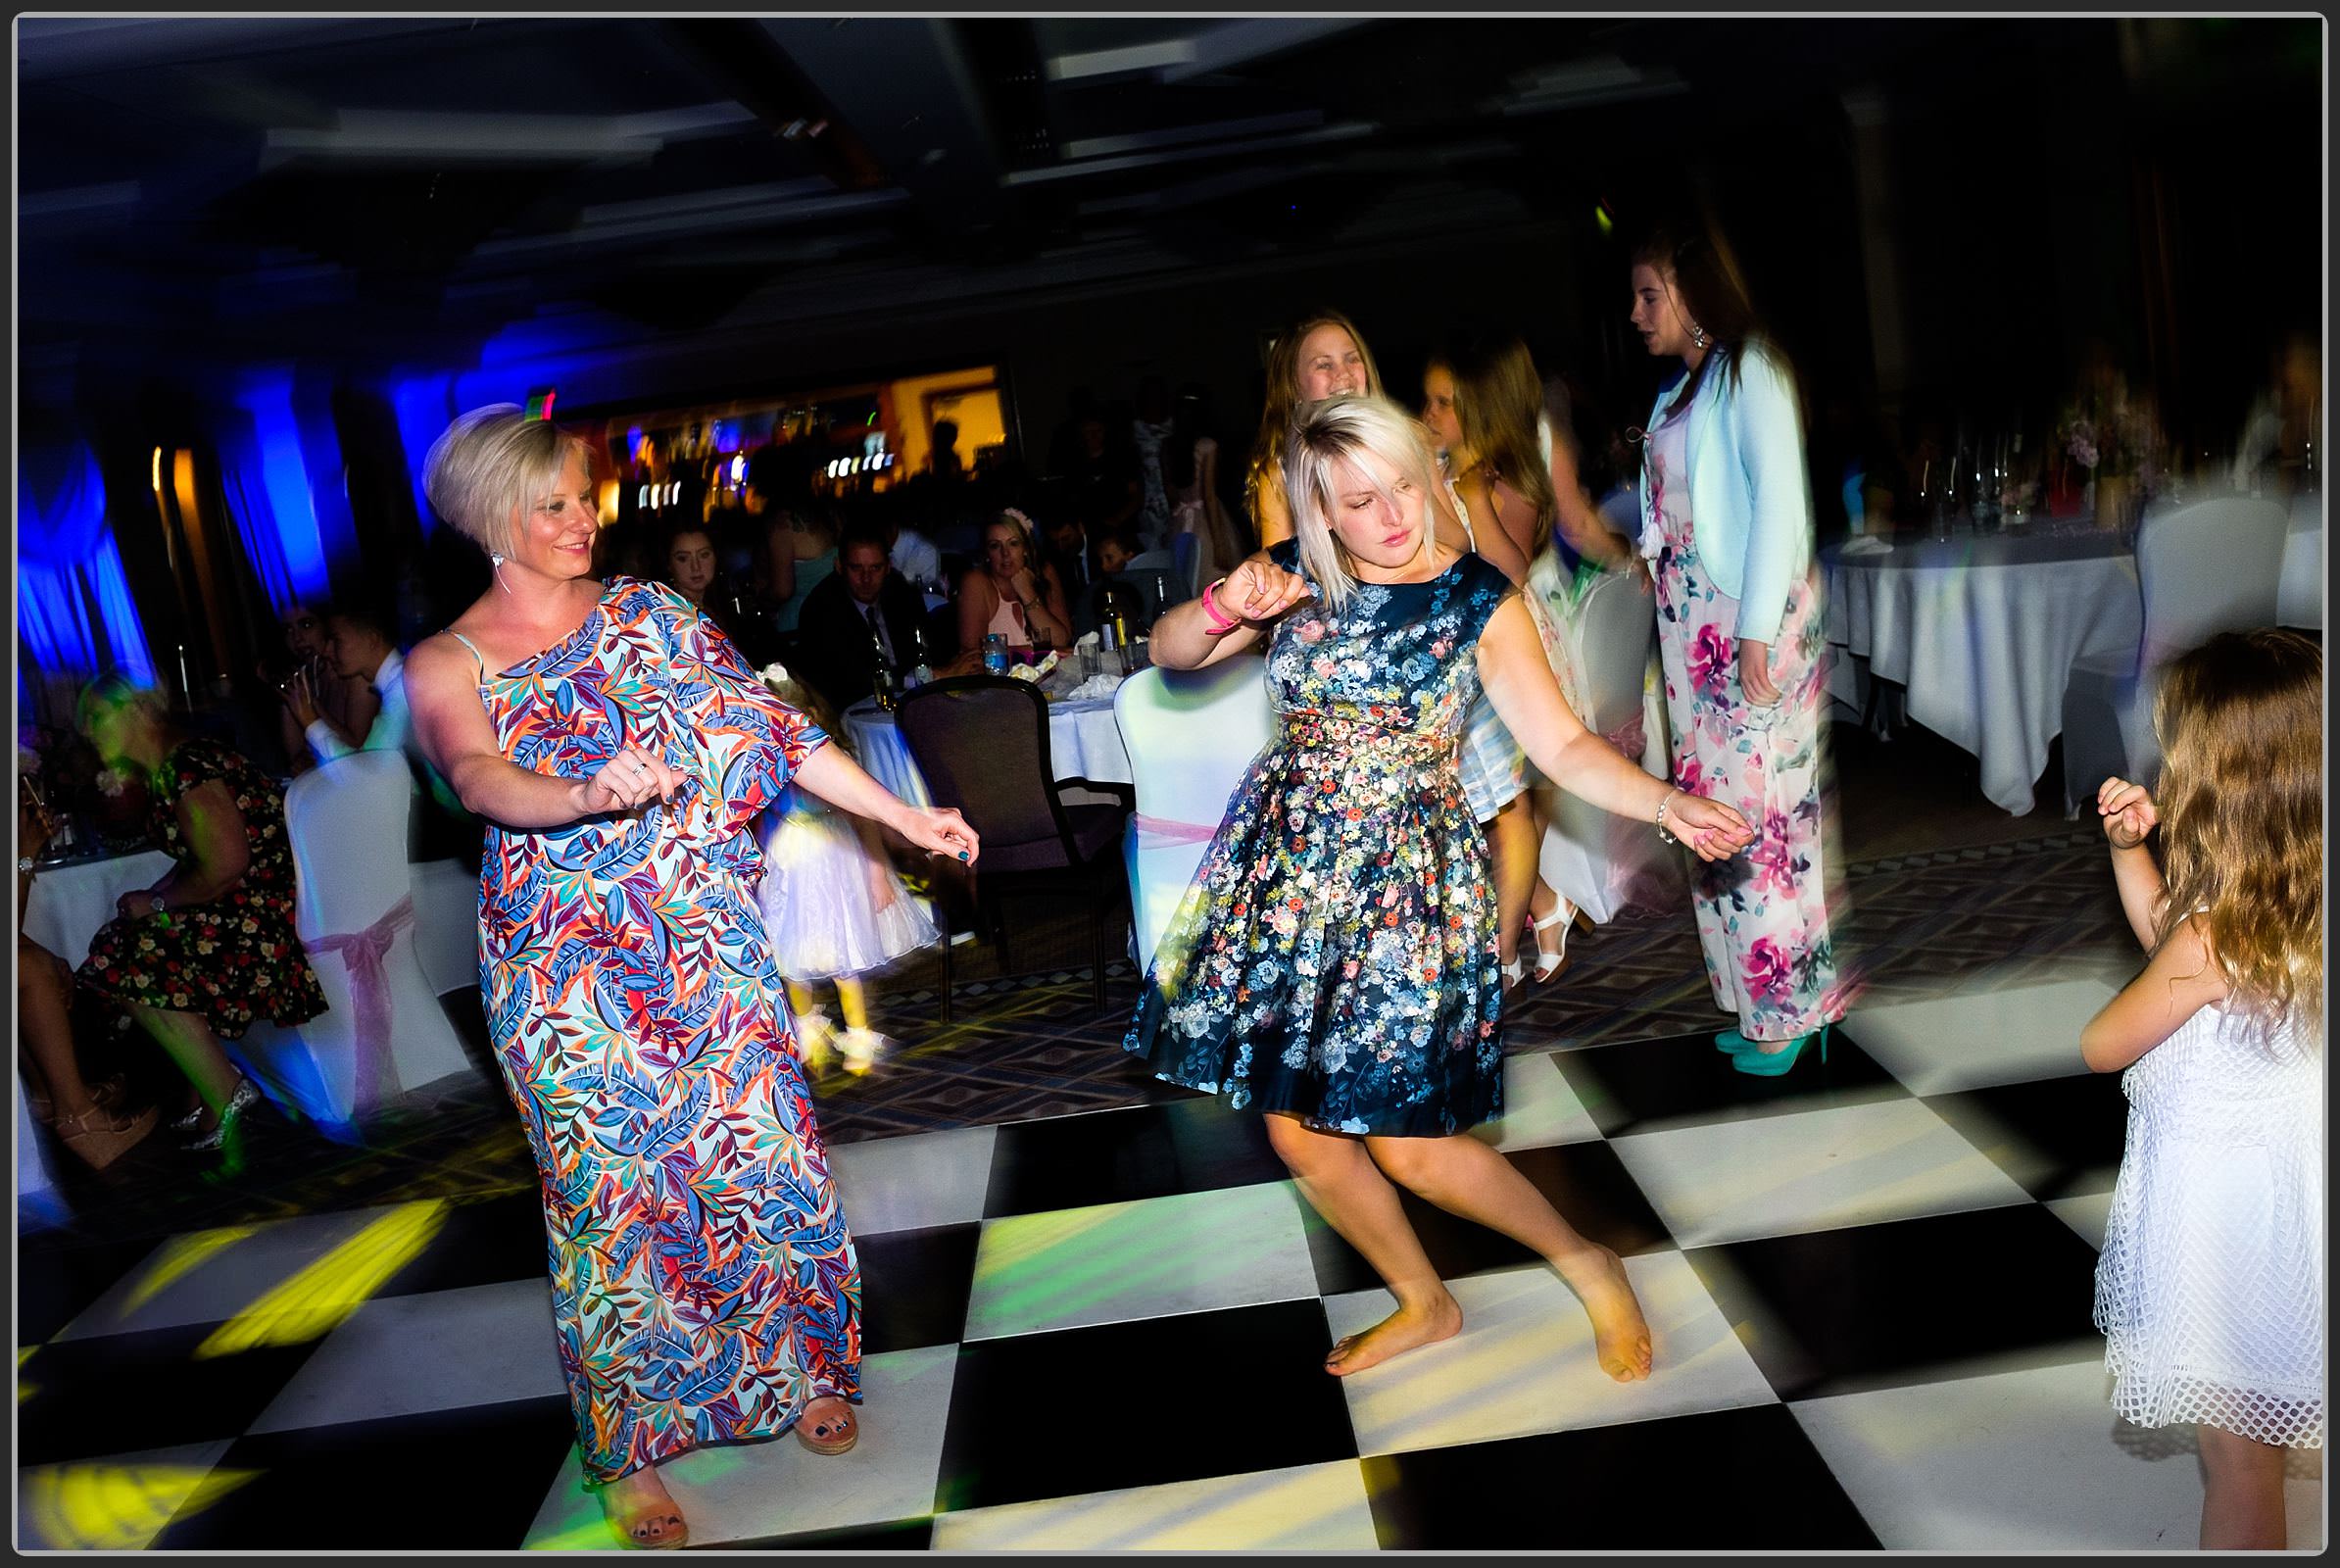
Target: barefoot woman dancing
705,1286
1333,963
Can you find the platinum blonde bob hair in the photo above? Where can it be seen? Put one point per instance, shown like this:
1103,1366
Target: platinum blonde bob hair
1320,463
489,468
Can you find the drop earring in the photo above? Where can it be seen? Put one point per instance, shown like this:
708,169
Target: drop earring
1698,336
496,565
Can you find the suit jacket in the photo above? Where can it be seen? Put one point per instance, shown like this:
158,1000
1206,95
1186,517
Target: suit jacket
833,637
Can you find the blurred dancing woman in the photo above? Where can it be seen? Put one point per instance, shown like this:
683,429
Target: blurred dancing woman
704,1288
1333,963
1726,524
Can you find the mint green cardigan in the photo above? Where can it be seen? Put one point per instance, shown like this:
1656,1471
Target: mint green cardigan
1750,496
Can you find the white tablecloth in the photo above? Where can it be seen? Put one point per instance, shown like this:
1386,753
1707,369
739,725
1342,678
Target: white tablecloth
1084,742
69,904
1983,631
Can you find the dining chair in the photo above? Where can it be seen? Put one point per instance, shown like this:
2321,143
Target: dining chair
1190,735
383,1032
2203,569
1596,859
1158,573
1186,554
2299,600
982,744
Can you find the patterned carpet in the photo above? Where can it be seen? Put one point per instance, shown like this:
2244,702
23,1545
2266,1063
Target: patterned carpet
2014,900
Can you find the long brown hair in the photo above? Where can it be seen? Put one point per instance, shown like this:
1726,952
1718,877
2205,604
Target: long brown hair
1497,396
1705,278
1282,404
2241,724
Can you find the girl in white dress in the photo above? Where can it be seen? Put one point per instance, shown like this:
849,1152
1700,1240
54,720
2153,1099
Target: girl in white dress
2210,1289
833,907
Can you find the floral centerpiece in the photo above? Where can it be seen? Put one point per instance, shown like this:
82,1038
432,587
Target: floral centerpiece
2113,443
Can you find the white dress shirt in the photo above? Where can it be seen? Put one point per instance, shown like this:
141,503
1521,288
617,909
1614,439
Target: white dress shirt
392,727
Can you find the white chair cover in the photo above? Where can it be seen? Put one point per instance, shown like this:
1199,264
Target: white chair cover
383,1032
447,925
1190,735
2203,569
2299,600
1598,861
1186,551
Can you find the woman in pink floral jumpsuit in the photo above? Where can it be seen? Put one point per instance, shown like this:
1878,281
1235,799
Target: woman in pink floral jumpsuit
1727,528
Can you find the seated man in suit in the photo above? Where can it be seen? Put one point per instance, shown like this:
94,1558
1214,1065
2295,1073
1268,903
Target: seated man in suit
862,609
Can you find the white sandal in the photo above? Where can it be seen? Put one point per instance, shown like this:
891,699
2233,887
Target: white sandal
1547,965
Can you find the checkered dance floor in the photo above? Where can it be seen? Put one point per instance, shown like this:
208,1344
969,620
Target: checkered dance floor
1869,1283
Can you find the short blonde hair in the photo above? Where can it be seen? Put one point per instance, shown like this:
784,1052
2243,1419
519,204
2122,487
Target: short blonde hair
490,465
1324,442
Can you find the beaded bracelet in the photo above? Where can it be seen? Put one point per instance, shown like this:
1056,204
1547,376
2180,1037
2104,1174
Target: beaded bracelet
1220,624
1665,837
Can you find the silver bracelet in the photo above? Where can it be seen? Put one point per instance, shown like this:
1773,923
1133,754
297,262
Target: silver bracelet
1665,837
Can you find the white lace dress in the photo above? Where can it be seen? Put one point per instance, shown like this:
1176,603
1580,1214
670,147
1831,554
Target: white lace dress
2210,1289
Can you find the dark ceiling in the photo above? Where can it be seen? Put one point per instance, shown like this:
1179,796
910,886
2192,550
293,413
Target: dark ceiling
401,187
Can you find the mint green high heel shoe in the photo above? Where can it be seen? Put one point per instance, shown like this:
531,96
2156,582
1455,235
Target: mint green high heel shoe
1733,1040
1757,1064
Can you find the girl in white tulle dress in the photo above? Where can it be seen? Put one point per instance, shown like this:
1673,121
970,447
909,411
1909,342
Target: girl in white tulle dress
832,904
2210,1289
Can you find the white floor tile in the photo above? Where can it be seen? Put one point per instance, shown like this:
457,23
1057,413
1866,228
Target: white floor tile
1318,1507
1981,1034
752,1490
2086,1215
1541,1108
1810,1170
915,1181
1524,1362
440,1350
213,1276
1117,1263
118,1503
2022,1461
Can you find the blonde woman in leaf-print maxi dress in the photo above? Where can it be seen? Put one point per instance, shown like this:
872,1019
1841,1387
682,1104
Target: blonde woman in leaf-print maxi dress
704,1288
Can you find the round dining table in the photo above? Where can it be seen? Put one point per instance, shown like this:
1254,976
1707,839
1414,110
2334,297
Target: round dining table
1981,630
1084,739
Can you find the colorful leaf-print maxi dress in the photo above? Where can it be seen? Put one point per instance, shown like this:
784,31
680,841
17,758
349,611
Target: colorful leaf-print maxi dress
1334,957
1763,915
704,1288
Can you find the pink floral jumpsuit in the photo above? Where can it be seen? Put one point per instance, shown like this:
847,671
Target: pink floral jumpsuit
1763,915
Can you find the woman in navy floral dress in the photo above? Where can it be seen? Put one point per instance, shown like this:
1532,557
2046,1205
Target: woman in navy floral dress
1333,963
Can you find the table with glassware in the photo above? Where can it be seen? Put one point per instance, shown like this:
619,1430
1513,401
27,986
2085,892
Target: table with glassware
73,896
1981,630
1083,738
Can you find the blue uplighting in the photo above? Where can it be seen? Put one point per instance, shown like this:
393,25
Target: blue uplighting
285,478
74,605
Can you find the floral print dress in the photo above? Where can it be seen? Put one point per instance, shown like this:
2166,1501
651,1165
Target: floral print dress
1334,957
1762,916
236,958
704,1288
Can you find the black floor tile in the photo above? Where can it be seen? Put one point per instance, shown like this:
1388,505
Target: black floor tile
1118,1157
1211,1394
1728,1481
60,1273
2057,1137
484,1240
1835,1311
903,1534
914,1286
453,1480
1585,1182
1685,1078
124,1393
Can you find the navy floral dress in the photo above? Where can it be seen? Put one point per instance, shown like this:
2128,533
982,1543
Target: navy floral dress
1334,957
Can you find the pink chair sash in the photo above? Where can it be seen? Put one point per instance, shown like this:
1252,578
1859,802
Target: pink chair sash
365,954
1165,830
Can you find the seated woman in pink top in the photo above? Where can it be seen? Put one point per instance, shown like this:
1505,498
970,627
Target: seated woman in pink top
1010,593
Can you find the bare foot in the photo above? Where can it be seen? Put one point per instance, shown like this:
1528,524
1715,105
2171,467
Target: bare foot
827,1425
1620,1333
1401,1331
640,1512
